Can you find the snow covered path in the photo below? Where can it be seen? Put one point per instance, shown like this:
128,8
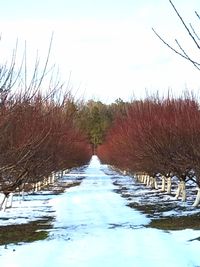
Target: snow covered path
95,228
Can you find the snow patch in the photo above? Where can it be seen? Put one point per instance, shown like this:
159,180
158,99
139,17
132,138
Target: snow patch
94,227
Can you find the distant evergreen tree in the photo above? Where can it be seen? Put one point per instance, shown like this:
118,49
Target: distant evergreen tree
94,118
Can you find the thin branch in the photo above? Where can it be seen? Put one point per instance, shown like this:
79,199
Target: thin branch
197,14
186,55
194,32
46,63
174,50
188,30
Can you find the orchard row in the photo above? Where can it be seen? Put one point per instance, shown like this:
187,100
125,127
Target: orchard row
157,137
38,136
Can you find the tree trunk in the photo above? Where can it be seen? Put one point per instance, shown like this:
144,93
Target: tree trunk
183,190
11,200
5,203
39,186
169,185
140,178
36,187
178,192
22,195
148,180
1,205
163,184
145,179
53,178
155,183
45,181
197,200
151,182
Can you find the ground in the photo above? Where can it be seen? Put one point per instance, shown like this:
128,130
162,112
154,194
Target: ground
108,220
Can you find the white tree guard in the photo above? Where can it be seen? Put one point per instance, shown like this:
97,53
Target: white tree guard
10,200
151,182
163,184
5,203
148,180
183,190
53,178
155,183
197,200
49,179
169,185
2,203
178,192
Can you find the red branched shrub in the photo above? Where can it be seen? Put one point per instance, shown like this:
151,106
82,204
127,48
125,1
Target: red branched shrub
156,136
38,136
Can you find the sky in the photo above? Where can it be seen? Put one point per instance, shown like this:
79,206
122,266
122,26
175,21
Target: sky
105,49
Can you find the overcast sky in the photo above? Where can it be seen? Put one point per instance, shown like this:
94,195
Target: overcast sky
108,46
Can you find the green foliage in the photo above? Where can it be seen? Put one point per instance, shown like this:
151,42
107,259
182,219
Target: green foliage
94,118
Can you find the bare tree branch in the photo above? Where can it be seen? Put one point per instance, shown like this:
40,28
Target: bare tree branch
176,51
193,35
197,14
184,24
194,32
186,55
